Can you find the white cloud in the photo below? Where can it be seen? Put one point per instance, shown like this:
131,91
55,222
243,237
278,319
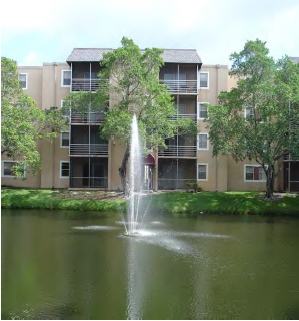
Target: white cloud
19,17
32,59
282,33
215,27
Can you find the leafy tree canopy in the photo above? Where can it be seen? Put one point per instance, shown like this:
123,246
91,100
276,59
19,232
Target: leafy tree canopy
22,122
258,119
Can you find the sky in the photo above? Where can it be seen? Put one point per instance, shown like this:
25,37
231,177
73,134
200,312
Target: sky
34,32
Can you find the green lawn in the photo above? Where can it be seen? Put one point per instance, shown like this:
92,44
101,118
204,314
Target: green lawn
227,203
177,203
48,199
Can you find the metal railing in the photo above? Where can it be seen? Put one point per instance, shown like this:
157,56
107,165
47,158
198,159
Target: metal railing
173,183
88,118
89,149
82,84
87,182
290,157
178,151
178,116
181,86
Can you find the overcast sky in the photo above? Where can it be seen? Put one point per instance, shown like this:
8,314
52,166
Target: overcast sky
33,32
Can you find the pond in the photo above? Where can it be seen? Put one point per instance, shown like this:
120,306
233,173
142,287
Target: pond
70,265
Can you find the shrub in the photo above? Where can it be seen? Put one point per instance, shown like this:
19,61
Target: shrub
193,186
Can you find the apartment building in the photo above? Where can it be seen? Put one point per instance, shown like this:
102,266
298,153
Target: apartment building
80,159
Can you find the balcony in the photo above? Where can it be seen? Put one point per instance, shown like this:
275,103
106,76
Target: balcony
88,182
290,157
83,84
178,116
88,149
173,183
181,86
87,118
178,151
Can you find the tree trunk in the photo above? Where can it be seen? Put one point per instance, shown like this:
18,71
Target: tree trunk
123,170
270,182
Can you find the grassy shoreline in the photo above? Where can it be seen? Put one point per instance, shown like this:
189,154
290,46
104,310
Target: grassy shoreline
175,203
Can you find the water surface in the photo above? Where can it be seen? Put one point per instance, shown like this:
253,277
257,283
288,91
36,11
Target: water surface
68,265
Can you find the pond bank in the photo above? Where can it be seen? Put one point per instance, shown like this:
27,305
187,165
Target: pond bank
176,203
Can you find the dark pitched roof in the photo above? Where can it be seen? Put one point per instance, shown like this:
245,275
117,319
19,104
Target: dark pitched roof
295,59
168,55
87,54
181,55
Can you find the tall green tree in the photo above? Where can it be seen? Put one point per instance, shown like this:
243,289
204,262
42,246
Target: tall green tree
134,88
258,120
22,122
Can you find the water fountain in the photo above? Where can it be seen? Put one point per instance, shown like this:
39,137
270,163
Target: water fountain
135,218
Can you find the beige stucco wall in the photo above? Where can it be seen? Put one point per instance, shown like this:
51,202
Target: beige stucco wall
116,152
231,82
52,91
218,75
44,86
34,85
217,166
52,153
31,180
34,82
236,180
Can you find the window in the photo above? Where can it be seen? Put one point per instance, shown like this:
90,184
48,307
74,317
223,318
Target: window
64,169
64,139
202,110
23,80
65,78
249,113
254,173
202,172
202,141
7,169
204,80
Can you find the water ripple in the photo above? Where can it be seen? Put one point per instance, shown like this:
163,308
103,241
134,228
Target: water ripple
96,227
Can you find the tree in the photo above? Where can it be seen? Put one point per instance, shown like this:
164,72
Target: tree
22,122
134,88
257,119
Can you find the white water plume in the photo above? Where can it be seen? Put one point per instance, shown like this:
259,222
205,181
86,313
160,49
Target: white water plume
134,215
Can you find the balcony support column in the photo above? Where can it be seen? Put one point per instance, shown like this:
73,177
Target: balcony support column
71,88
178,82
90,76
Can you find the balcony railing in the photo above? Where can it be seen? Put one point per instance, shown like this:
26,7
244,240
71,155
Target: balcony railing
181,86
173,183
82,84
178,151
290,157
89,149
178,116
88,118
88,182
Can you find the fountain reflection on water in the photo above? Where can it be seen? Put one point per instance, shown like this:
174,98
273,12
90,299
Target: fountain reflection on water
135,212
